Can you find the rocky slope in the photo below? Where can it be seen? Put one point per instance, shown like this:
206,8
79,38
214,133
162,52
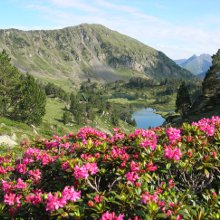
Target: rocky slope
69,55
198,65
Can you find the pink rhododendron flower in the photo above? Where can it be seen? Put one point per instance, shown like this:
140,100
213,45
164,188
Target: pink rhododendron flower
84,141
92,168
6,186
27,161
111,216
81,172
119,153
161,203
150,167
45,158
134,166
208,125
65,145
171,184
172,154
86,156
98,199
65,165
86,132
32,152
21,168
35,174
54,203
52,144
20,184
2,170
169,212
117,136
34,198
132,177
150,139
179,217
173,134
69,194
146,197
12,199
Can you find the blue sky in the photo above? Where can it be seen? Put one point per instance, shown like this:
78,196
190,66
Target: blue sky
179,28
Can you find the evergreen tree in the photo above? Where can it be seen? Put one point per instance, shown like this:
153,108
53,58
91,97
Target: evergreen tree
90,114
183,102
21,98
9,81
31,106
77,109
66,117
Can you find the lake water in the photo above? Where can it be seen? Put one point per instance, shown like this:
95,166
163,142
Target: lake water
146,118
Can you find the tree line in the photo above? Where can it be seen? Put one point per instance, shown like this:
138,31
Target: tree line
89,102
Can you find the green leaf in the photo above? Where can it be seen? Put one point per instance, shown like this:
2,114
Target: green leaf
161,216
207,174
168,165
138,191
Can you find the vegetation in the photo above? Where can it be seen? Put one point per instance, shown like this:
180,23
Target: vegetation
101,105
161,173
69,56
90,102
53,90
21,97
183,102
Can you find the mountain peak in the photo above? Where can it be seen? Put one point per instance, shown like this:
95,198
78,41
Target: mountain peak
76,53
198,65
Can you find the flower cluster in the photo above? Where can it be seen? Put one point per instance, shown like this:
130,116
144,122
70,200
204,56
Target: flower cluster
83,171
160,173
172,154
55,202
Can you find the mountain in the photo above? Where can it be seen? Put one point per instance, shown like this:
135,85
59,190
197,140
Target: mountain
70,55
198,65
180,62
209,101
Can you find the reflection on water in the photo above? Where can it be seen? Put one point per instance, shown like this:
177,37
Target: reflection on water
146,118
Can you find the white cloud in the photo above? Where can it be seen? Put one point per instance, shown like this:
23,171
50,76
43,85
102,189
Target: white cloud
174,40
117,7
76,4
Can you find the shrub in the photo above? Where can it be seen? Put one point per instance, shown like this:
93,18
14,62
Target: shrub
161,173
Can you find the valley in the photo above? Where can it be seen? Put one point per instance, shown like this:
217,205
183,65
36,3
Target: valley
109,110
110,74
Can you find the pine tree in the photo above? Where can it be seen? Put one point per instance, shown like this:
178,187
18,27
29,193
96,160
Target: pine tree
183,102
9,81
67,117
31,107
77,109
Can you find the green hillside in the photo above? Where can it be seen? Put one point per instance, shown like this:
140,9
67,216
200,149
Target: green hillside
70,55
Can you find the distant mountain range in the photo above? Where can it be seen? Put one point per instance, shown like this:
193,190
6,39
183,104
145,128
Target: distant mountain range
70,55
198,65
209,102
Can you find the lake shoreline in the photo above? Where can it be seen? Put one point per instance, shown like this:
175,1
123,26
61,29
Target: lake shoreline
147,117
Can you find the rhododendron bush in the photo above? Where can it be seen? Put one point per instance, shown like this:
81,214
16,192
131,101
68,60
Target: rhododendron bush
160,173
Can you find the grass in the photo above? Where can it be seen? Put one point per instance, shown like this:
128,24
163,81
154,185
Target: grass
137,102
19,129
67,84
54,111
126,73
